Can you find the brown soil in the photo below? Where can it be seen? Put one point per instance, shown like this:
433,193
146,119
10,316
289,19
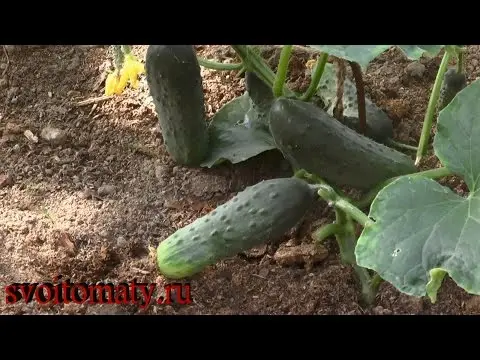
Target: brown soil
95,207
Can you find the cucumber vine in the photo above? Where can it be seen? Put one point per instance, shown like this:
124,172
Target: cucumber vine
372,260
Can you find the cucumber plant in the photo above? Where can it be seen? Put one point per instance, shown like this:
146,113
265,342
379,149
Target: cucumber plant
416,231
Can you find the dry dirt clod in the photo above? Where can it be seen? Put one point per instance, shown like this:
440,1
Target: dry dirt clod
53,135
303,254
415,69
6,180
105,190
12,129
3,83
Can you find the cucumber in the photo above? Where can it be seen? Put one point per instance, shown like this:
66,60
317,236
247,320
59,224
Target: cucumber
175,83
260,93
311,139
453,82
379,125
259,213
261,96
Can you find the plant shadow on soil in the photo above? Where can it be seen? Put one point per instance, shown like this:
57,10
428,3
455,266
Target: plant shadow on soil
53,221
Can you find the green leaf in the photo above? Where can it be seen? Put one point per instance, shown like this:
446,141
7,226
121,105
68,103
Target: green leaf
361,54
424,230
415,52
236,134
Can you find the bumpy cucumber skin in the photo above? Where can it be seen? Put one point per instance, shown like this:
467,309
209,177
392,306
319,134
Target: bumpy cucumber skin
453,82
259,213
175,82
311,139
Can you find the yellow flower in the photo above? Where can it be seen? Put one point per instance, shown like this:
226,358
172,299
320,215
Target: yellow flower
117,82
111,83
132,68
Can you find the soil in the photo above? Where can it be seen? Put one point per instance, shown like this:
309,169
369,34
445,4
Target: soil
94,204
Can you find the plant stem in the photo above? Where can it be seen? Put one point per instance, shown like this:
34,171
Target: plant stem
241,71
375,282
427,122
392,142
460,61
347,241
282,70
362,112
316,76
217,65
357,214
326,192
118,56
325,231
255,63
369,292
341,75
430,174
127,49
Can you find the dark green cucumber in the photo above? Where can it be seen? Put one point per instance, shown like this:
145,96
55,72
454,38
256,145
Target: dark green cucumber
261,95
259,213
312,140
453,82
173,76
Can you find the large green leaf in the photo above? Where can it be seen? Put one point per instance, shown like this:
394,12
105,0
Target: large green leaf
361,54
415,52
236,134
364,54
423,230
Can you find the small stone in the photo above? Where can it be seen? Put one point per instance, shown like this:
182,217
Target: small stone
105,190
53,135
6,180
48,172
104,233
3,83
30,136
415,69
121,241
